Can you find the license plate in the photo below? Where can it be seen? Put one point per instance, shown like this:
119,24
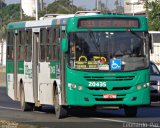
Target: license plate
109,96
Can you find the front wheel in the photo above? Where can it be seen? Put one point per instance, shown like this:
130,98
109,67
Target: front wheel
60,111
130,111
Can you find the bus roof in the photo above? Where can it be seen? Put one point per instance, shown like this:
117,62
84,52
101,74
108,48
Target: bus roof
61,20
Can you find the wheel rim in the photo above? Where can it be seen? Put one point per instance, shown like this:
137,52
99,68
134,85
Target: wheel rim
22,99
56,101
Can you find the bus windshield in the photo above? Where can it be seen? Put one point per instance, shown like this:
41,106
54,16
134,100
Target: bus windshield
96,50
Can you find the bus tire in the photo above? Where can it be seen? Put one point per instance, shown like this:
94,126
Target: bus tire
25,106
130,111
37,108
60,111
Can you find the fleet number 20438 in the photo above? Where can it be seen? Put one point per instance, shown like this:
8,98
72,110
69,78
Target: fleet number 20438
97,84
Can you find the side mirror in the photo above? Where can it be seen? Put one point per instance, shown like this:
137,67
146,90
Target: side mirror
64,45
150,43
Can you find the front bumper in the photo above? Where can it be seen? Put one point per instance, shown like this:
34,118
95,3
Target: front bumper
81,98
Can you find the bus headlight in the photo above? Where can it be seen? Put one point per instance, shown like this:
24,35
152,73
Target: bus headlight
73,86
145,85
80,87
138,87
70,85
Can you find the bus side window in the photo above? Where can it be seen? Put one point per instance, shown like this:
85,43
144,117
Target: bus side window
28,45
21,45
49,49
43,39
10,52
56,43
10,40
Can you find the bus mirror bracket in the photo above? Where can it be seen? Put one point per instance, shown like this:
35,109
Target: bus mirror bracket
64,45
150,43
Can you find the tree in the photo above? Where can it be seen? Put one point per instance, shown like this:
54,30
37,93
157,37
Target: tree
60,7
2,4
154,15
10,13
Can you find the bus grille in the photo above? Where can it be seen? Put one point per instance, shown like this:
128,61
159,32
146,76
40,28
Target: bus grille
109,78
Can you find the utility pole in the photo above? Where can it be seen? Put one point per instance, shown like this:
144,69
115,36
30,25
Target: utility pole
21,11
133,4
146,3
106,6
72,6
41,5
97,4
36,9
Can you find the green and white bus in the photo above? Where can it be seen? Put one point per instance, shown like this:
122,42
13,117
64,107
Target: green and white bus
82,60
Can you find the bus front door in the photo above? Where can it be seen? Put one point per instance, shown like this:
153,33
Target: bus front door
15,61
35,65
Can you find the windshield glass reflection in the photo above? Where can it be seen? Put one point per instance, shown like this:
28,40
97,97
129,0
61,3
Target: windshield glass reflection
102,50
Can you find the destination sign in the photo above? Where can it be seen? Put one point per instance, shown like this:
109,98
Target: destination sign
109,23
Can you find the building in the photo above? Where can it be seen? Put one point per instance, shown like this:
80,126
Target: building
2,52
29,7
134,7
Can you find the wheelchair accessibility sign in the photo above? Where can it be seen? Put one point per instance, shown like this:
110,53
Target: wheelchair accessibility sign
115,64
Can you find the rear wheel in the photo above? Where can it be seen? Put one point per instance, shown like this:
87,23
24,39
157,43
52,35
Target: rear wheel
37,108
60,111
130,111
25,106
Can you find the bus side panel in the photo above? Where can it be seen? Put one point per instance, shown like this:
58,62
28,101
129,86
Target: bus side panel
28,89
48,74
46,94
45,84
27,82
10,79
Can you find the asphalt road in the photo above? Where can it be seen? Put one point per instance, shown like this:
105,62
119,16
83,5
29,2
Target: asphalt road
148,117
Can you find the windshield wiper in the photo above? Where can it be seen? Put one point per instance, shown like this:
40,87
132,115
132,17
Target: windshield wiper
96,43
135,34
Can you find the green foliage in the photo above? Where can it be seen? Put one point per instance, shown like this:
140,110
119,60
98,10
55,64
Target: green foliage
10,13
2,4
154,15
60,7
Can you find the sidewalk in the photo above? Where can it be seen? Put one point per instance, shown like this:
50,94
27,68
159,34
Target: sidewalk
3,85
2,77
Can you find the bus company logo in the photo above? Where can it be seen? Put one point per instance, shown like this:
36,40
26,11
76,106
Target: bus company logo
28,72
8,77
52,69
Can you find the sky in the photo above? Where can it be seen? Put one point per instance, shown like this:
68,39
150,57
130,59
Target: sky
83,3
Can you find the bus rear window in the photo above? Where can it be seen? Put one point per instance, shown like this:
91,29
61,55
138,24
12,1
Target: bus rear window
10,41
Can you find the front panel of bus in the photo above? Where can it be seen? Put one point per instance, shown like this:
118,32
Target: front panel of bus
107,61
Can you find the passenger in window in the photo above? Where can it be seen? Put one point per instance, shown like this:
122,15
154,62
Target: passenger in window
121,51
10,54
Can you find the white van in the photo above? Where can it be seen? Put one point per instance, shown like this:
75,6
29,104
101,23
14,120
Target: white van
154,82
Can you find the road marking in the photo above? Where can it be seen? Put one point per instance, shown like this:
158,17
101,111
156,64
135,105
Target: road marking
112,120
18,109
10,108
39,112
